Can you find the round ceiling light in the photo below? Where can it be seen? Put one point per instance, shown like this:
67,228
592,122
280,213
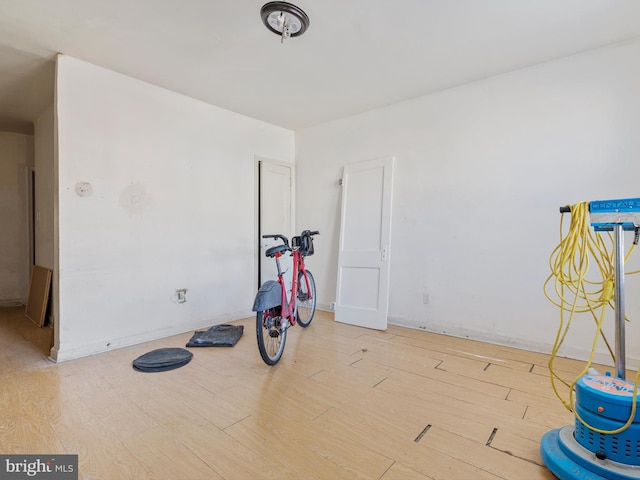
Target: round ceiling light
284,19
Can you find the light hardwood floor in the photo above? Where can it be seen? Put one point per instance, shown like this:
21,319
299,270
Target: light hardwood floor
343,403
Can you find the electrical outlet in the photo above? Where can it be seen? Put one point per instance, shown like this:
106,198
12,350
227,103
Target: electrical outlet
180,295
332,306
425,298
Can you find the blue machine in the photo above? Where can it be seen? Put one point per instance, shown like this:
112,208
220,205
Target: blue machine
606,214
603,402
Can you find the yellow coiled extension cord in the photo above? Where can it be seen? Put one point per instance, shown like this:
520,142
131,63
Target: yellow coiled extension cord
576,292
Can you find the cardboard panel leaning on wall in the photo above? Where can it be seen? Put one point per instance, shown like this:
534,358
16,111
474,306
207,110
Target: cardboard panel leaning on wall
481,171
156,195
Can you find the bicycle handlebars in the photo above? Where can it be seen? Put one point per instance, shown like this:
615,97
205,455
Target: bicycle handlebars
281,237
286,240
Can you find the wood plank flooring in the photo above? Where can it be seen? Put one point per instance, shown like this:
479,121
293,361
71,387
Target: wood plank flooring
343,403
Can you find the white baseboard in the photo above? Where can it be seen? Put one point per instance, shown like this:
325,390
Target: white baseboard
11,302
58,354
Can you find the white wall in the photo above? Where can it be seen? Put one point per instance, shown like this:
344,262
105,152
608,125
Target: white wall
44,193
156,193
481,172
16,154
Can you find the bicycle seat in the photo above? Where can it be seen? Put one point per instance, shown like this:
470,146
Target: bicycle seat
271,252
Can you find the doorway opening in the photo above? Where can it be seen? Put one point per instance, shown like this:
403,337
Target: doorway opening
274,210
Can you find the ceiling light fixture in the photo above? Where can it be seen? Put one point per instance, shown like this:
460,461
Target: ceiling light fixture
284,19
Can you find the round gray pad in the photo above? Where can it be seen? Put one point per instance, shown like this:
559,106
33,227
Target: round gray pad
162,359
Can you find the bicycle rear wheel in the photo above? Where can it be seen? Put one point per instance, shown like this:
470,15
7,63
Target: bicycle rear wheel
271,334
306,299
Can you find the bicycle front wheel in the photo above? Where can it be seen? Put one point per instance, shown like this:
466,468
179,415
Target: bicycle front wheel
306,299
272,334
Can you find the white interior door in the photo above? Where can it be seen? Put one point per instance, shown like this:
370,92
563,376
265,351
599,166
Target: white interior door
275,212
362,296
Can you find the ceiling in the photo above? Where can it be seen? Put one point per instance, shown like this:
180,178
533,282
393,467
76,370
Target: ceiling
356,55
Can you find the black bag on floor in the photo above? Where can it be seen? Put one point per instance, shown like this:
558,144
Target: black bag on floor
217,336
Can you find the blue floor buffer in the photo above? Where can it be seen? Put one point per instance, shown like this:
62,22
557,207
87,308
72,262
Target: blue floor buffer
604,402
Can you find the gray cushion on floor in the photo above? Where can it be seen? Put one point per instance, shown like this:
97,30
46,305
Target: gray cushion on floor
162,359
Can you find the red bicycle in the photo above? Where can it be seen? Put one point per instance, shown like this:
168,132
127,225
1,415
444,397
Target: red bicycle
275,313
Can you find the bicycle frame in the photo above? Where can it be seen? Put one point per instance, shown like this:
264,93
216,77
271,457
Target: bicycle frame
290,306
